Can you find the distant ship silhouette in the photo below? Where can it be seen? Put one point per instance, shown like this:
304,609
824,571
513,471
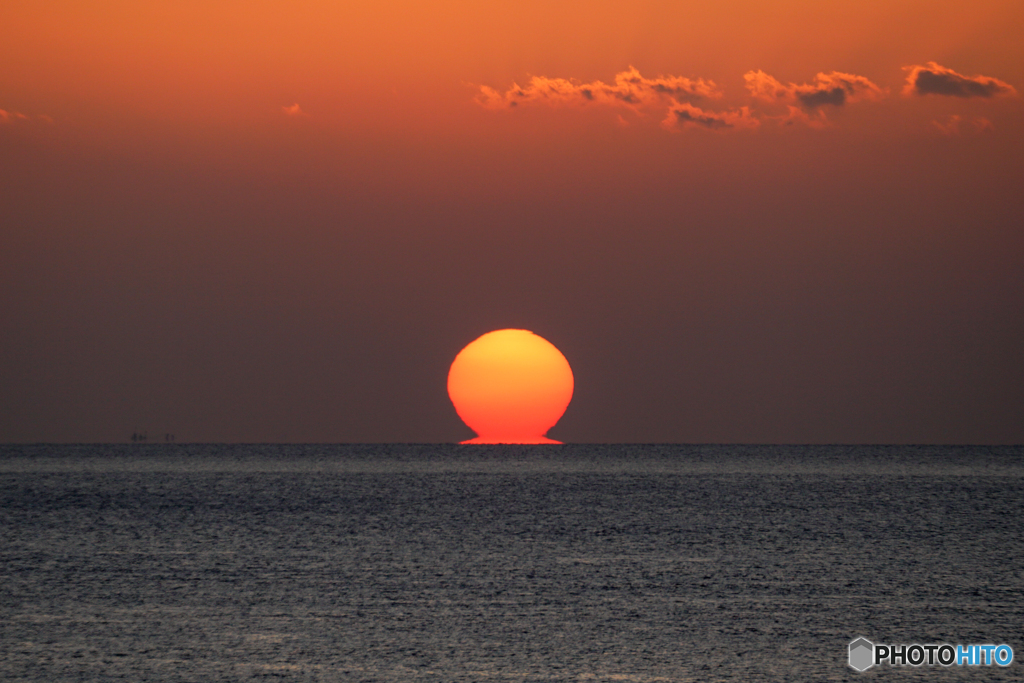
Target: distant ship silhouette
138,436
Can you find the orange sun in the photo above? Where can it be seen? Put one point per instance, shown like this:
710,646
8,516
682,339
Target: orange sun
510,386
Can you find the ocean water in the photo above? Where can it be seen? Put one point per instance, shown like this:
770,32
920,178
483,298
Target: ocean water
503,563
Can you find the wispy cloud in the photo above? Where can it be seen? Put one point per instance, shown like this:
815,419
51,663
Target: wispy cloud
953,125
684,114
11,116
682,103
630,90
294,110
8,116
981,124
833,89
934,79
814,118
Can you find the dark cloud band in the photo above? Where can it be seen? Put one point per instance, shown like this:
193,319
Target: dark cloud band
833,89
935,79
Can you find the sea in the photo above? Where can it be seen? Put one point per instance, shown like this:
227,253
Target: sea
447,563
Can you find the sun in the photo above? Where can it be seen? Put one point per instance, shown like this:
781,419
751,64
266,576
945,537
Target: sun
510,386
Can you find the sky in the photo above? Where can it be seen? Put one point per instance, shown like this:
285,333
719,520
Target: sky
741,222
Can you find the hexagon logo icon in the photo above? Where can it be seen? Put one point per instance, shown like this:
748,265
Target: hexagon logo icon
862,654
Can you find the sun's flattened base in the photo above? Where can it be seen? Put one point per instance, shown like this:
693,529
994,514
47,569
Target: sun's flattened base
510,386
532,440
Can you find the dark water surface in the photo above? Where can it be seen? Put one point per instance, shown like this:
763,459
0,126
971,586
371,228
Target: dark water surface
505,563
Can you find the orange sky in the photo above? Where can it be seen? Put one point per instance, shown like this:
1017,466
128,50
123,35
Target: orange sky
408,66
769,235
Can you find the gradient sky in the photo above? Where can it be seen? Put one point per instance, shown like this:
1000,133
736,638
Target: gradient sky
795,221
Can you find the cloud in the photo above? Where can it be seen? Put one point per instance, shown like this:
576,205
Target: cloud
934,79
11,116
630,90
950,127
681,102
294,110
8,116
797,115
979,124
686,115
832,89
